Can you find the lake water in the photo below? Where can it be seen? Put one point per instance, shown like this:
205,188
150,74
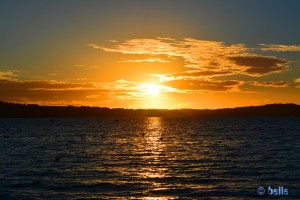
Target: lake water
151,158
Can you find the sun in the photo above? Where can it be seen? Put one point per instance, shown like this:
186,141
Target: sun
150,89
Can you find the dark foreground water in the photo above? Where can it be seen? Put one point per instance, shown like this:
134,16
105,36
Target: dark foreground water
151,158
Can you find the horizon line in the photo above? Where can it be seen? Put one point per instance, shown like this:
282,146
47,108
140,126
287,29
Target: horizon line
80,106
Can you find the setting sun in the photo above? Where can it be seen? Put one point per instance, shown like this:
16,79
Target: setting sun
150,89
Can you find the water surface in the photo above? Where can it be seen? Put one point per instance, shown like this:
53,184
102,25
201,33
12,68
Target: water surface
151,158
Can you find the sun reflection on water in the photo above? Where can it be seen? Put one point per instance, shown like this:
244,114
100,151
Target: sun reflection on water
155,198
152,150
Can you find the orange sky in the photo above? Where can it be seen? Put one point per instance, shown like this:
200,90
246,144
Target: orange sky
148,56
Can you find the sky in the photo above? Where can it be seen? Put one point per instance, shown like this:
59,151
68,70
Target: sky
200,54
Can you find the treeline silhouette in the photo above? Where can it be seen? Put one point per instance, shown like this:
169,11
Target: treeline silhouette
35,111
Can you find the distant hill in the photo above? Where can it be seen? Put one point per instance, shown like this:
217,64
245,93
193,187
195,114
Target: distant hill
35,111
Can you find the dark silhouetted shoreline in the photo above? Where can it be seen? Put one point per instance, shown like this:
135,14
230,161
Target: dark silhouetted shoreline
12,110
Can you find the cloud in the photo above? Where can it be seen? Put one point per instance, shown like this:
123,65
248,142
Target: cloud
88,66
94,46
260,65
279,84
37,91
112,41
8,75
146,60
199,73
297,81
279,47
54,74
42,91
209,58
43,85
191,75
204,85
118,84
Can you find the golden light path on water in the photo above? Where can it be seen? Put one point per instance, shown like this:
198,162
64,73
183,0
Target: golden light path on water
153,150
161,157
150,158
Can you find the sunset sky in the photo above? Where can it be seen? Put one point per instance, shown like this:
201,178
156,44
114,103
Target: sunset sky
150,54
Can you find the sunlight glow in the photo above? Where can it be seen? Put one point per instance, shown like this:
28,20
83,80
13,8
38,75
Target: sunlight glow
150,89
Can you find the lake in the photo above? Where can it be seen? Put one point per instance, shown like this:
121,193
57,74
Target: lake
150,158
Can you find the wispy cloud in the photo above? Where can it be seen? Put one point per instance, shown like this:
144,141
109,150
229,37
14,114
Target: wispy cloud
54,74
297,81
43,85
205,56
279,47
202,73
8,75
55,92
94,46
204,85
191,74
35,91
146,60
276,84
87,66
112,41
